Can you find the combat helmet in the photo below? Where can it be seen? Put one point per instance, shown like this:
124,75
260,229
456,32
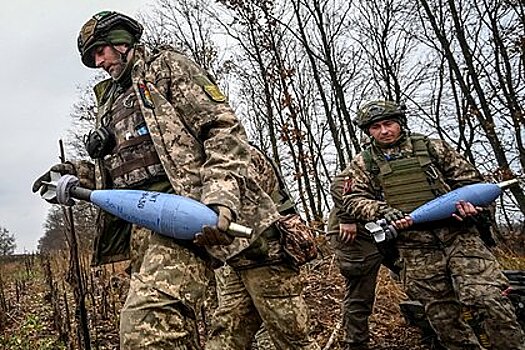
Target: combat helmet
106,27
377,110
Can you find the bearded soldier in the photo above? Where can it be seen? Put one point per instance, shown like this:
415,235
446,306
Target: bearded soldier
164,125
446,266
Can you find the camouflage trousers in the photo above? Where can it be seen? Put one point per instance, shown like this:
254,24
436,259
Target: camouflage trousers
262,340
167,285
462,276
268,294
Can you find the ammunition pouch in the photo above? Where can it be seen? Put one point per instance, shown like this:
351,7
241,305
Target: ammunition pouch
99,142
112,243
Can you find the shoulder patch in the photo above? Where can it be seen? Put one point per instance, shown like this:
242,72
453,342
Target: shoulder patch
146,95
348,186
211,89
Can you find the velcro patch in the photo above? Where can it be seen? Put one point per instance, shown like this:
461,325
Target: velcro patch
348,186
146,96
211,89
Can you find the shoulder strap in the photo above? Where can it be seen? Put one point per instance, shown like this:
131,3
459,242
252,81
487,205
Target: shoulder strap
372,168
368,158
428,158
378,165
105,94
432,152
102,90
420,145
424,148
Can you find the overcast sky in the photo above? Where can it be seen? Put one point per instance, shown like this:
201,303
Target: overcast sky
40,70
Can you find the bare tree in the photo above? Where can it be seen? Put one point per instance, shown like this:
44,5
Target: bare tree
475,40
7,242
296,72
184,25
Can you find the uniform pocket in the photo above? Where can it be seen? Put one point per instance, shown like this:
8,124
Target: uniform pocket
472,265
274,281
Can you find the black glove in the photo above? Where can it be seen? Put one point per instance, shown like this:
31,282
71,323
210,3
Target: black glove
61,168
389,230
392,214
216,235
484,222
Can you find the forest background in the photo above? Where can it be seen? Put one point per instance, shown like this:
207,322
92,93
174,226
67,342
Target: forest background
296,72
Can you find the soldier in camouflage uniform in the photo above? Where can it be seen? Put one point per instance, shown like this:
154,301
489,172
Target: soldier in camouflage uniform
359,260
241,290
164,125
267,175
446,265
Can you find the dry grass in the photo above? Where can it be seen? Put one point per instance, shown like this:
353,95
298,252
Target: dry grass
324,290
509,260
29,322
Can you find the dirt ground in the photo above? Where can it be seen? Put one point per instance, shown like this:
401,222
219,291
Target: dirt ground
30,320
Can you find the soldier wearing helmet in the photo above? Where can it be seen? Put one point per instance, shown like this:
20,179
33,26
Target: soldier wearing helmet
164,125
375,111
446,266
107,28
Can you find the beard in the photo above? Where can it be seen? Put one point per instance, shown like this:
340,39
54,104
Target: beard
120,71
115,71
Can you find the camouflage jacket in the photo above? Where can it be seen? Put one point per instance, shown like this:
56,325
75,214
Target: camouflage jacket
361,199
200,142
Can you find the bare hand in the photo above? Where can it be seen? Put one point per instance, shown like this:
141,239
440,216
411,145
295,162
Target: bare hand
347,233
403,224
465,210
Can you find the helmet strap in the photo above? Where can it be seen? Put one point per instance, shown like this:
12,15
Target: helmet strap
123,78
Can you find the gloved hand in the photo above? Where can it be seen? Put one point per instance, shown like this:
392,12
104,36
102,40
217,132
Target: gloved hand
392,214
62,168
216,235
389,230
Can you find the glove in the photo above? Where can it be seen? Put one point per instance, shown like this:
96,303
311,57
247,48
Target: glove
389,230
216,235
61,168
392,214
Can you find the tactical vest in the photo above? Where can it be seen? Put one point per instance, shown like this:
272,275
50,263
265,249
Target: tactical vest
407,180
134,161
